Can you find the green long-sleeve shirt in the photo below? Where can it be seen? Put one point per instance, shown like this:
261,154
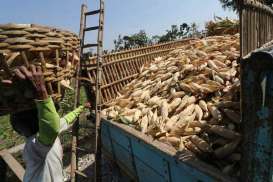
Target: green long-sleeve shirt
50,123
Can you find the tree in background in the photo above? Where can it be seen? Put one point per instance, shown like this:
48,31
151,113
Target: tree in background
141,38
131,41
135,40
233,4
229,4
155,39
193,30
184,30
118,43
175,33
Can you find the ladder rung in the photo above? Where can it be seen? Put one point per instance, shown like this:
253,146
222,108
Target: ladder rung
92,12
89,84
89,45
81,173
82,149
91,28
90,65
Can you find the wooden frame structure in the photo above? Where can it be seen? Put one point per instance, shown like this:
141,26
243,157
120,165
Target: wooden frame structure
256,25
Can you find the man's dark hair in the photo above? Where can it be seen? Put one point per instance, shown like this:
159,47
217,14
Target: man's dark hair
25,123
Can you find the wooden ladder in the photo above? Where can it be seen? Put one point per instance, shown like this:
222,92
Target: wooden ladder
84,64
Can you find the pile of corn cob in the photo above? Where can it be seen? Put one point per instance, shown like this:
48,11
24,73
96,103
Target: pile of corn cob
190,100
221,26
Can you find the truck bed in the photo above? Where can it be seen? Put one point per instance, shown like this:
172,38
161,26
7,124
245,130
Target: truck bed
144,159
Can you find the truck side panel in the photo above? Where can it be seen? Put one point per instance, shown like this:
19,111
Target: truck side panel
144,162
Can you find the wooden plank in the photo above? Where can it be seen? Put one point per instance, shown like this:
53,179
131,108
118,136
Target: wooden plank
16,149
98,154
111,72
242,14
13,164
251,36
109,80
248,35
117,76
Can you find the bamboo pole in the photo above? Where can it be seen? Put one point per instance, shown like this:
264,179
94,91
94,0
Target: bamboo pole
75,128
98,94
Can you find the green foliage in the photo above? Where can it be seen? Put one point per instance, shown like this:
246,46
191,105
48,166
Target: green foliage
229,4
138,39
175,33
131,41
141,38
67,103
118,43
233,4
8,137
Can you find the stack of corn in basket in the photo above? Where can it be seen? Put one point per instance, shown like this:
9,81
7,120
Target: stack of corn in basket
55,50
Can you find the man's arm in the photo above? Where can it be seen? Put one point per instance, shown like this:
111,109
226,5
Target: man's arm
49,120
69,118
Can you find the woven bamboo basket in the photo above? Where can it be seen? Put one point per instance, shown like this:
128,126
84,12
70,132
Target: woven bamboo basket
55,50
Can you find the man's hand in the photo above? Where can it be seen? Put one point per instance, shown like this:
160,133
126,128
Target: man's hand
35,75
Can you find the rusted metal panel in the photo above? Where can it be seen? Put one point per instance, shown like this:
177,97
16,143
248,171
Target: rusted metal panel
257,116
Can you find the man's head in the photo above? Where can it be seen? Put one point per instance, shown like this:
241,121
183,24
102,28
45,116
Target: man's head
25,123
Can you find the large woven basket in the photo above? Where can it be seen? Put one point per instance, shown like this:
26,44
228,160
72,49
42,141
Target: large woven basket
55,50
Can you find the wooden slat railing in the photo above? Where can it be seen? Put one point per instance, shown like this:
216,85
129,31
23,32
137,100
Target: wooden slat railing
122,67
256,24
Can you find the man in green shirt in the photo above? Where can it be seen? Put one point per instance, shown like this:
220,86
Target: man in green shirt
41,127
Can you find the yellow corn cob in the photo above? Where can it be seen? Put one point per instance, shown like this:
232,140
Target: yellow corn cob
216,114
171,122
187,111
174,104
199,112
144,124
226,150
201,144
233,116
212,65
183,103
137,115
224,132
164,110
191,147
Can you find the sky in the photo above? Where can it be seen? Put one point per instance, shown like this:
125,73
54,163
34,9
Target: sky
123,17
